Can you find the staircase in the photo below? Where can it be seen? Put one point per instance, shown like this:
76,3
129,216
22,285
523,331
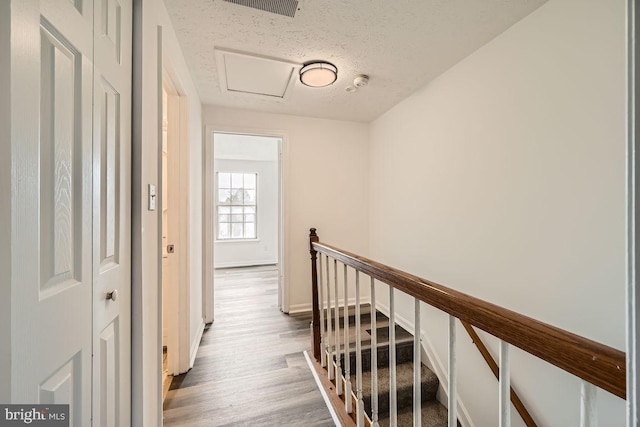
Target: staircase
596,364
433,413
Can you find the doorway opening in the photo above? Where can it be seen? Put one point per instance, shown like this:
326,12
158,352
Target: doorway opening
247,214
167,267
173,201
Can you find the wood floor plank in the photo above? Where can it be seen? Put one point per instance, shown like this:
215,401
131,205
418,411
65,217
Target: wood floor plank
250,369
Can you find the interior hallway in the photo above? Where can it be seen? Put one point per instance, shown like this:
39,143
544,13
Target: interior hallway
250,369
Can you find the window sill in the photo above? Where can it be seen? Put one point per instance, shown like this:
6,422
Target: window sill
236,241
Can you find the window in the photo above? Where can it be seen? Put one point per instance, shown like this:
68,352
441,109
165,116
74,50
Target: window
237,205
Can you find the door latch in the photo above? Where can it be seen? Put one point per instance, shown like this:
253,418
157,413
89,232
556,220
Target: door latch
171,249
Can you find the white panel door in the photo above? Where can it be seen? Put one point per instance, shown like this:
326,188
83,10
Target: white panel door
71,161
112,213
52,284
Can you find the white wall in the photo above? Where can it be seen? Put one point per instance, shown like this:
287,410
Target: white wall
325,178
150,16
264,249
505,179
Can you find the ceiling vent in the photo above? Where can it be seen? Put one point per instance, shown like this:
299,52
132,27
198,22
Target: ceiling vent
280,7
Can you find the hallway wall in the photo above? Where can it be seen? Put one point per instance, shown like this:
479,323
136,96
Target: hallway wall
150,18
505,179
325,175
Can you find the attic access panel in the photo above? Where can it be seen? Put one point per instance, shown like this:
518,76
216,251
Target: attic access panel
254,75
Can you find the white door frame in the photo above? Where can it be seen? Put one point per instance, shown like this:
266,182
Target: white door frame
179,347
633,195
283,232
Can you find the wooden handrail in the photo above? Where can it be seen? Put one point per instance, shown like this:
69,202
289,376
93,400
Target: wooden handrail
515,399
601,365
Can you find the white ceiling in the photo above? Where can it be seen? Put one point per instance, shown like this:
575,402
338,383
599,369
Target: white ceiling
401,44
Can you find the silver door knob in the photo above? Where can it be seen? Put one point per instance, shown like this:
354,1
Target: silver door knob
113,295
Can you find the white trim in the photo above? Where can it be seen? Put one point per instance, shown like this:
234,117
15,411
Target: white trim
327,402
224,241
195,344
632,296
208,241
6,216
300,308
245,263
179,316
209,212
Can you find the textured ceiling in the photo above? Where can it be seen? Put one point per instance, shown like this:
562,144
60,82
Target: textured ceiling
402,45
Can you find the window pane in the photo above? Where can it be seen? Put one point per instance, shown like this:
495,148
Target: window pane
224,180
236,197
250,180
237,180
250,197
250,230
223,231
224,197
236,231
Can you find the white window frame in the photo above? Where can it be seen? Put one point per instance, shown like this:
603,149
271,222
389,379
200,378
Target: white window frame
218,205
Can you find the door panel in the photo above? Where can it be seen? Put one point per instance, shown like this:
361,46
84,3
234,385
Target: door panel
71,160
111,213
63,387
52,71
108,107
60,144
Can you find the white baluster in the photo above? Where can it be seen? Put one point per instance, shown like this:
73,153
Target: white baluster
588,412
451,389
347,358
360,408
330,368
323,356
417,368
374,357
505,386
393,395
337,311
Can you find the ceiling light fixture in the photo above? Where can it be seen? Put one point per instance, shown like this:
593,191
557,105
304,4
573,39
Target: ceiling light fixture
318,74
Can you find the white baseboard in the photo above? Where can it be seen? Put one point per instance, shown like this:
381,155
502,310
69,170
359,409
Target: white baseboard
195,344
253,263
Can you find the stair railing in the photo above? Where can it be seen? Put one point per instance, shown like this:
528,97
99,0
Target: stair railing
597,365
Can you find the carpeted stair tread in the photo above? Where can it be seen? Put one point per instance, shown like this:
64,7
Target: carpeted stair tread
433,415
404,353
404,387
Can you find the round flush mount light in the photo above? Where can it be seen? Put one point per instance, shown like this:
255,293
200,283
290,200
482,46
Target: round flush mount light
318,74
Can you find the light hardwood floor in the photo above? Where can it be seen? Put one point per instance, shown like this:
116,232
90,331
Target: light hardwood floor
250,369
